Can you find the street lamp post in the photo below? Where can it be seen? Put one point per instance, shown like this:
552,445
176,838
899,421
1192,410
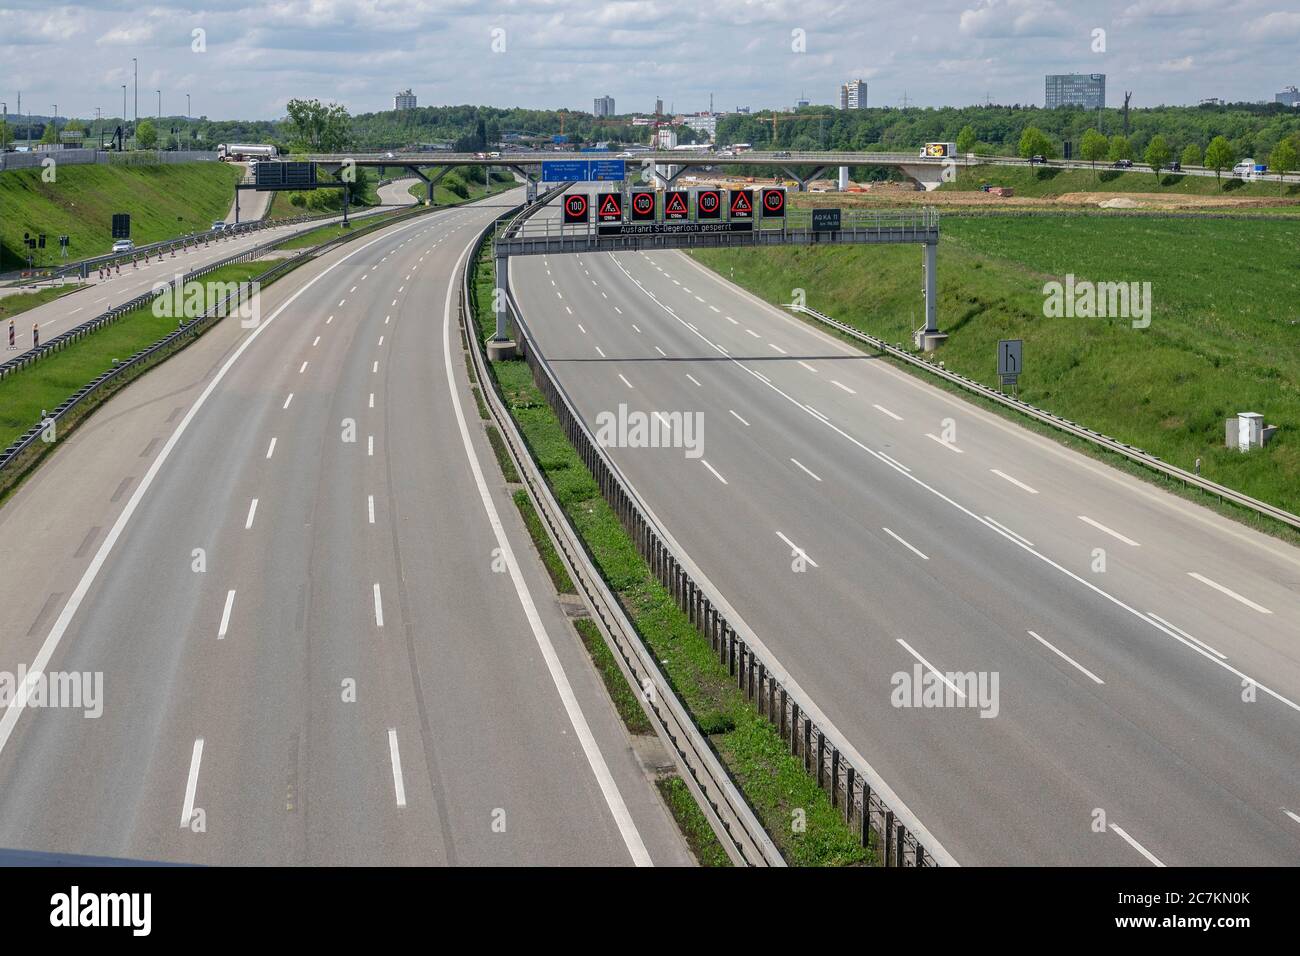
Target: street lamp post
189,133
135,71
121,143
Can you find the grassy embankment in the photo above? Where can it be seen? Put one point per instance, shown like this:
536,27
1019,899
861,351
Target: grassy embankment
1049,182
1223,338
773,781
164,201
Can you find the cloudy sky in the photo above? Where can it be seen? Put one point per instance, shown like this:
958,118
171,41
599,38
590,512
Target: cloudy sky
240,59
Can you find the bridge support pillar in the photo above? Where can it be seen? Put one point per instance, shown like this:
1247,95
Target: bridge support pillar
844,179
803,181
930,338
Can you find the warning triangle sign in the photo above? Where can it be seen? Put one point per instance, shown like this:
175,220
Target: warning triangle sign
741,205
610,208
675,208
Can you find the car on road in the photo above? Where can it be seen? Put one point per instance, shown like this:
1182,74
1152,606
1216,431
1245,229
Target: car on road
783,154
1122,164
123,245
1037,159
218,224
1175,167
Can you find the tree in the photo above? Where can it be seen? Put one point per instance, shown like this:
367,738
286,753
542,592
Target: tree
314,127
1219,155
49,135
146,134
1283,159
1192,155
1093,148
1157,155
966,139
1034,142
1119,149
6,135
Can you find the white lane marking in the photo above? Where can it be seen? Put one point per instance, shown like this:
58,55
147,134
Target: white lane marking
393,303
1002,529
625,381
370,507
946,444
882,408
287,401
731,320
920,554
843,386
372,399
1175,627
714,470
1229,592
1114,534
370,445
618,310
661,351
807,366
303,368
379,607
252,511
637,327
374,368
812,411
694,379
1136,845
931,668
738,418
381,342
753,333
270,449
315,342
225,615
1291,815
795,549
599,768
697,298
387,317
777,348
581,329
600,350
1015,481
716,309
341,301
894,462
192,783
399,788
353,289
329,320
805,468
1065,657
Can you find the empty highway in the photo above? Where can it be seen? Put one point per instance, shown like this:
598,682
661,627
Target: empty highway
869,527
323,633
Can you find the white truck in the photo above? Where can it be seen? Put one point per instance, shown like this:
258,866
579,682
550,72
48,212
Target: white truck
939,151
237,152
1248,170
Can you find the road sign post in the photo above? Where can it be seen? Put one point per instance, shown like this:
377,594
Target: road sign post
1010,363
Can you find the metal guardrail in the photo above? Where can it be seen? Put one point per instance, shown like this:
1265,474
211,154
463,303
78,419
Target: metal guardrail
730,816
868,804
190,329
1063,424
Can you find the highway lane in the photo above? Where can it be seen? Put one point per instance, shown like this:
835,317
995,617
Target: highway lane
370,667
98,296
905,551
398,192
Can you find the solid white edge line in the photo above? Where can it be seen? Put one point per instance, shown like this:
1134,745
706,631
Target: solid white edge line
1156,617
192,783
595,759
1065,657
399,788
806,470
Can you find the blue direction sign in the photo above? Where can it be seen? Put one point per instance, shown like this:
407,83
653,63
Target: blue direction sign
608,170
566,170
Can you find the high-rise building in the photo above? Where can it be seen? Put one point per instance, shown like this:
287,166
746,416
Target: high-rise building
1290,96
1076,89
659,106
404,100
604,106
853,95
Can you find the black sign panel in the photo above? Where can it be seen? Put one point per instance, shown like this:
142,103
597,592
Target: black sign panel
742,204
774,203
671,228
576,208
609,207
708,204
269,175
121,225
643,206
825,220
675,205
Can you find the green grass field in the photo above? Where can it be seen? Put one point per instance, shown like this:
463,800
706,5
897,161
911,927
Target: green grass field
164,201
47,383
19,302
1224,334
1048,182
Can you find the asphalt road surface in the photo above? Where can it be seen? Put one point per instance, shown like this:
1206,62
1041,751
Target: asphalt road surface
875,532
323,634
